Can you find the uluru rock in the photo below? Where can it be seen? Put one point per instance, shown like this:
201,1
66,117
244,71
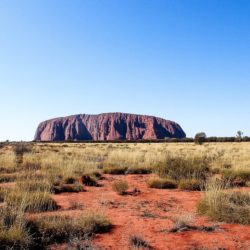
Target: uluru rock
107,126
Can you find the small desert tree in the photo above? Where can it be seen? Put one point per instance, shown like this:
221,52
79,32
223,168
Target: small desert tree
239,135
200,138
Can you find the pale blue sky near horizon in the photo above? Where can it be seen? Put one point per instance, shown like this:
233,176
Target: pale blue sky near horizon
183,60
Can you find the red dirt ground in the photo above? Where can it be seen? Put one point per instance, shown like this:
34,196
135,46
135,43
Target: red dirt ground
149,214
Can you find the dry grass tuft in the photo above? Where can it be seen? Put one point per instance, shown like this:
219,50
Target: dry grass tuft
120,187
190,184
137,242
161,183
63,228
225,205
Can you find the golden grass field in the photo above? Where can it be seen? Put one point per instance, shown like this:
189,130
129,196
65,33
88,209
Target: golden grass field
70,157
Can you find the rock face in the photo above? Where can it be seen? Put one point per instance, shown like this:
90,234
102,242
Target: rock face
107,126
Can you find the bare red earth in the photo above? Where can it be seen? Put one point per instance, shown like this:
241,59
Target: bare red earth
149,214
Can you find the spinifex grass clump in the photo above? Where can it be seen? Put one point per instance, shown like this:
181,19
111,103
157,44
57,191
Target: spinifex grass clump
66,184
138,242
115,170
225,205
13,231
190,184
161,183
17,232
120,187
178,168
36,201
63,228
236,177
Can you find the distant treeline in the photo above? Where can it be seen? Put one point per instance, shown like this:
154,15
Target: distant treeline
167,140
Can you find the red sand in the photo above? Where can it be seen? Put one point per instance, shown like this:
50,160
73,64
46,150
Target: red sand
149,214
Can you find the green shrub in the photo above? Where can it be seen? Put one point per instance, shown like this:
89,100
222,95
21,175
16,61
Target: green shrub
228,206
178,168
120,187
190,184
161,183
115,170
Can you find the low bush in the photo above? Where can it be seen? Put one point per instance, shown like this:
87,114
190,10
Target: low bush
120,187
225,205
178,168
190,184
115,170
161,183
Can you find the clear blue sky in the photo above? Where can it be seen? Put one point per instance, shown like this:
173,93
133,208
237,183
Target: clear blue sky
183,60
